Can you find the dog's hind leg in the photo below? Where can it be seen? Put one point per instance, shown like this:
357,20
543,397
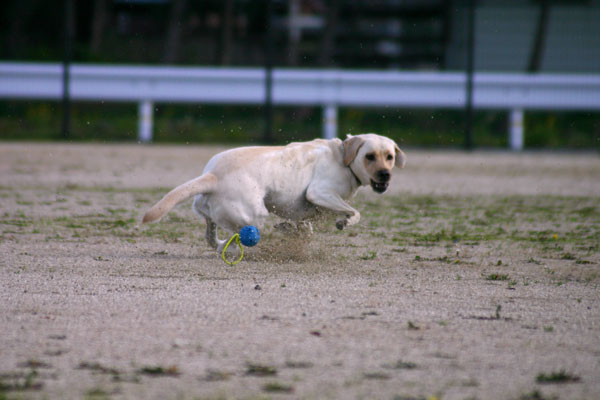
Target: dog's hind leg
201,208
211,235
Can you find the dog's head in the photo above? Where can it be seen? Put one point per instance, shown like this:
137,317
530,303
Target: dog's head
372,157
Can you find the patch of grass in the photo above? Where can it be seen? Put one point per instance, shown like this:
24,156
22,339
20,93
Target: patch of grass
213,375
20,382
423,220
497,277
277,387
557,377
298,364
159,371
117,211
440,236
175,218
587,212
97,367
119,223
591,277
400,365
444,259
166,233
376,376
412,326
96,394
260,370
400,397
34,364
445,219
536,395
21,223
369,255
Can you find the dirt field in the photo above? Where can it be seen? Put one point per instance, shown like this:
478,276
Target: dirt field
475,277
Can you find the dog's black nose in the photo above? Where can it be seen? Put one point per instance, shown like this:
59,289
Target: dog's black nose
383,175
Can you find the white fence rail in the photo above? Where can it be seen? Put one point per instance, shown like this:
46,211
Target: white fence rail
327,88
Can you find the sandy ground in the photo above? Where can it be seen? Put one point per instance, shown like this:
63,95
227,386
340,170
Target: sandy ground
92,311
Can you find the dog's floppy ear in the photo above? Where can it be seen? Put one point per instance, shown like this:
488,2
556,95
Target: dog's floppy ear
400,157
351,146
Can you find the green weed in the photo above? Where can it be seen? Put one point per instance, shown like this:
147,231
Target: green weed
497,277
557,377
369,255
159,371
400,365
260,370
277,387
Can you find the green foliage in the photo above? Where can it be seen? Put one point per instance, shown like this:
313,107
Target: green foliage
99,121
431,128
574,130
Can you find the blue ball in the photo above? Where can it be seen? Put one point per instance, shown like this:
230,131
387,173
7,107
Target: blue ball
249,235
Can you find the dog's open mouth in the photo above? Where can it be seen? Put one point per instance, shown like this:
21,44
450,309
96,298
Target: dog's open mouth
379,187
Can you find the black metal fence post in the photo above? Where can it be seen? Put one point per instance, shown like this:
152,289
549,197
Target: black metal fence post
66,100
268,134
469,75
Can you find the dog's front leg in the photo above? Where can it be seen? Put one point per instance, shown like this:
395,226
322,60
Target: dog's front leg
332,201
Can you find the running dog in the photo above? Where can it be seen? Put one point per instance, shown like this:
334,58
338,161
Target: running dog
242,186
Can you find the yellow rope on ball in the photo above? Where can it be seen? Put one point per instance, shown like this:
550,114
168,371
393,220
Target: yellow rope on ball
235,237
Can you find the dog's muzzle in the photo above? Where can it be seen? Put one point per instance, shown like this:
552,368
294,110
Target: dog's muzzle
379,187
382,182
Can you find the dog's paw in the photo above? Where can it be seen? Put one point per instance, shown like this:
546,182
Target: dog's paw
221,246
354,219
350,220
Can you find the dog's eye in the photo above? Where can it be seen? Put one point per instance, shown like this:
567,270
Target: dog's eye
390,157
370,157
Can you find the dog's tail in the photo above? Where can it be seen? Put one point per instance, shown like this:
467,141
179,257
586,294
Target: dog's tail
203,184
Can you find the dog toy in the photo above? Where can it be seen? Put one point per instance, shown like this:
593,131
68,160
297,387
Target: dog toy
248,236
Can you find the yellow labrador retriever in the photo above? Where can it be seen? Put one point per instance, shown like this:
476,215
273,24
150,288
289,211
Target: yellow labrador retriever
242,186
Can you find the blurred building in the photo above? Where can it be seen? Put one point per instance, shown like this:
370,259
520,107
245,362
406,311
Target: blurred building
510,35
